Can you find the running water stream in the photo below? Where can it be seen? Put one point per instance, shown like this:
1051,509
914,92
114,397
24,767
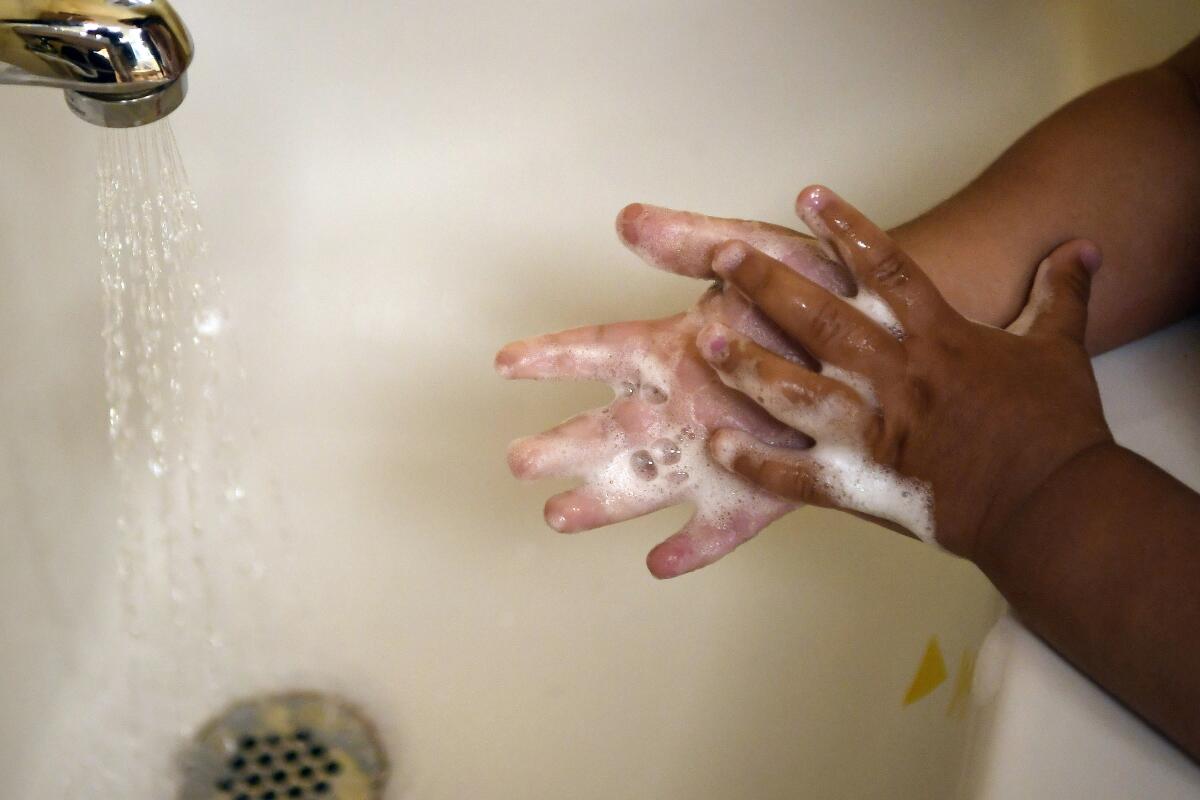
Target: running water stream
198,522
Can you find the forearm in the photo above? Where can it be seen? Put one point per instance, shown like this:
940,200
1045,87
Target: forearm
1104,564
1120,166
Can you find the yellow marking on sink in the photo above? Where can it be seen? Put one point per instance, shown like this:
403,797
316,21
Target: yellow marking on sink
962,686
931,673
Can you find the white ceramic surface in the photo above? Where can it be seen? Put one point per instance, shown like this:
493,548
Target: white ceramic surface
388,208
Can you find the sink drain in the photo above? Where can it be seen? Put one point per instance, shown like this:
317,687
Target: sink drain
292,746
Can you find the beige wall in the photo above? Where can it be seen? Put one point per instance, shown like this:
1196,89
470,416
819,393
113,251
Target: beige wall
1109,38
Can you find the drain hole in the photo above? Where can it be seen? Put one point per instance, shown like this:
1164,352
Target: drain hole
261,753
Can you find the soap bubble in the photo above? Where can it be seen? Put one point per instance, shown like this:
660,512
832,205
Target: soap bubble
643,465
666,451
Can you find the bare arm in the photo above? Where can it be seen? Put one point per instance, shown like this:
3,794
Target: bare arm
1001,435
1119,166
1103,562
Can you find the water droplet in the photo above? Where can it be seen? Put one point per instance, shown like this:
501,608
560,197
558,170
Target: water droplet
209,322
626,389
678,476
666,451
643,465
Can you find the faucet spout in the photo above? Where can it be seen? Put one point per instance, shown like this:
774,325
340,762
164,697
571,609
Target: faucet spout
122,63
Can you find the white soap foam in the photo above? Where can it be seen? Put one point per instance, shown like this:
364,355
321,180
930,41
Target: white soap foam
854,380
860,484
877,309
826,416
668,462
855,481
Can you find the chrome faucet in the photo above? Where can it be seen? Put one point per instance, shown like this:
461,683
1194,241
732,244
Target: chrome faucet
122,63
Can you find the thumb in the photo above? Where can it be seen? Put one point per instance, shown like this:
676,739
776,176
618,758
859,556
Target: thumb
1058,301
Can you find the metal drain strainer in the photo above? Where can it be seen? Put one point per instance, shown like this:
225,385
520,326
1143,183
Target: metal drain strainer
292,746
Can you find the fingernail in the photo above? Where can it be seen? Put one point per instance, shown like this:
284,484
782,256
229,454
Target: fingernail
813,199
1090,257
505,361
729,256
627,229
714,343
718,349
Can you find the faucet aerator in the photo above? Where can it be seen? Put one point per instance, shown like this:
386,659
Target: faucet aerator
128,111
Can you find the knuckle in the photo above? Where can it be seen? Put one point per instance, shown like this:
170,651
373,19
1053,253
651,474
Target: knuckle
892,270
825,323
920,394
788,480
758,278
775,371
796,394
945,345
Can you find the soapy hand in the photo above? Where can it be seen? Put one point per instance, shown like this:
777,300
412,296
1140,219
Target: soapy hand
920,417
648,449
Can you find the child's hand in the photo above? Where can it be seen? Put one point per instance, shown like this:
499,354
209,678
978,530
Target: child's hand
648,449
922,418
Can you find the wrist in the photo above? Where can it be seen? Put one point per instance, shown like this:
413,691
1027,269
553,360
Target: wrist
1056,508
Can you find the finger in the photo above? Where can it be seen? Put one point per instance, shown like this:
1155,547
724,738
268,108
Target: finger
877,263
821,322
595,352
792,394
717,406
732,308
791,474
702,540
1058,301
832,477
569,450
682,242
591,507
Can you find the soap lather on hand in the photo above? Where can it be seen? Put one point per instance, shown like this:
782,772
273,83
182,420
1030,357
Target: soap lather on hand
648,449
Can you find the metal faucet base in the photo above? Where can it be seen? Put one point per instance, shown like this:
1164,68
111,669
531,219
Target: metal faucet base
115,111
